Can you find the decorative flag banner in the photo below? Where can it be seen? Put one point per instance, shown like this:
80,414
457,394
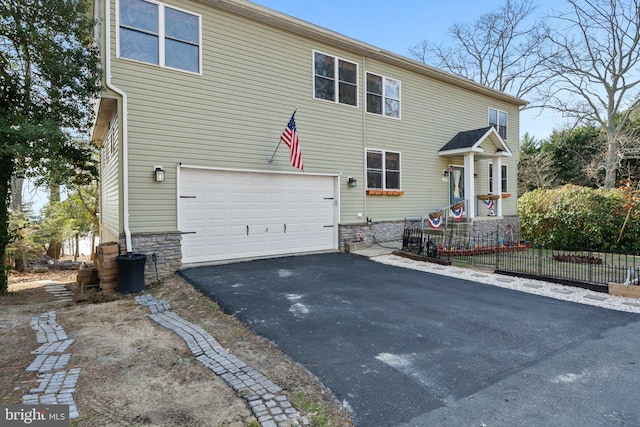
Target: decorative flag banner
457,210
488,203
290,137
435,219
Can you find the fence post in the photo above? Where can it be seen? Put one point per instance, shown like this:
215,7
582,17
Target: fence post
449,246
498,249
590,261
540,259
472,245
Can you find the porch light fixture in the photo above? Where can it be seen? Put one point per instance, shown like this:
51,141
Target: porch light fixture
158,172
352,182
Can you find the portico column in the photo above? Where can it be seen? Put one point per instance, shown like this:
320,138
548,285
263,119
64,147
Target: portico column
469,187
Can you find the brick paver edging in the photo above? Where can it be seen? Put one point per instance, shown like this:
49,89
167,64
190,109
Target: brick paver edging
56,386
270,406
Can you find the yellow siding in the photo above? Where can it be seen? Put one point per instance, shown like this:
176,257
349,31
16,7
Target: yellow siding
253,77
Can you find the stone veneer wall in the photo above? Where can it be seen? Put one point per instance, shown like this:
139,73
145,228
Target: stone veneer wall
166,246
392,230
489,226
374,232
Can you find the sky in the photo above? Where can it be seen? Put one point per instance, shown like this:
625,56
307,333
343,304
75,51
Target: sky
402,24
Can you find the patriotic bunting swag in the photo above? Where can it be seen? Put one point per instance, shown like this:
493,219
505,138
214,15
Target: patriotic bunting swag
435,219
457,210
488,203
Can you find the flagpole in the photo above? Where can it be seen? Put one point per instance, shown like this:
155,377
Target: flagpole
274,153
280,142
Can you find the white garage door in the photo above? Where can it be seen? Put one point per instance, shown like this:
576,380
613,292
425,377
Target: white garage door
226,215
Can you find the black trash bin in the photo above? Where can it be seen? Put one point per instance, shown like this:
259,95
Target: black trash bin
131,273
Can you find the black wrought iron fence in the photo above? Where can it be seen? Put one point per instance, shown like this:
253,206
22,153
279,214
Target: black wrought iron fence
589,268
502,251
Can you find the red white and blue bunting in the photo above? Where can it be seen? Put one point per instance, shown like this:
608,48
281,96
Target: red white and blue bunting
488,203
435,219
457,210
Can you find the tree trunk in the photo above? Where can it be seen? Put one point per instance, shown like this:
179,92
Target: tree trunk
6,171
55,247
92,249
20,261
611,165
16,193
76,253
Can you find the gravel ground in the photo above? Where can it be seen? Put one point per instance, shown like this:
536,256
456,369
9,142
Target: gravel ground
538,287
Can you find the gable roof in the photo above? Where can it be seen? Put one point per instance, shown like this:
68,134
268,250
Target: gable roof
288,23
470,141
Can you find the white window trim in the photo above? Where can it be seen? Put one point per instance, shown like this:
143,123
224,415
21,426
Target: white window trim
384,96
384,169
504,176
498,111
337,79
161,37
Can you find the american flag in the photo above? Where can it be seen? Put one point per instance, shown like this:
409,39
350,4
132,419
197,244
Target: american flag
290,137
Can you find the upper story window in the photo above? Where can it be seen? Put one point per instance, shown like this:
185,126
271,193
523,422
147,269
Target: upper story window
335,79
503,177
383,170
383,96
498,119
158,34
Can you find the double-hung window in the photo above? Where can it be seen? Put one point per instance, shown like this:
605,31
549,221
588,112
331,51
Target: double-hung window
498,119
335,79
383,170
383,96
503,177
158,34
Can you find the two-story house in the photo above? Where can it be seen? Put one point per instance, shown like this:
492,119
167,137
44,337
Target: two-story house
198,93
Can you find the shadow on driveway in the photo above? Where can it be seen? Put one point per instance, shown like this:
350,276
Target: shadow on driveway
400,346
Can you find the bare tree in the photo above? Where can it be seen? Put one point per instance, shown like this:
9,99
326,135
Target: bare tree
502,49
597,59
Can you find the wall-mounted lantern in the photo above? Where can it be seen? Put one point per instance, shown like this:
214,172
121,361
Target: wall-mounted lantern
352,182
158,173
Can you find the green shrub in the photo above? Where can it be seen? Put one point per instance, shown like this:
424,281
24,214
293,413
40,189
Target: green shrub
574,217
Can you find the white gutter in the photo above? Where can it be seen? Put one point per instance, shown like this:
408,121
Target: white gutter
125,126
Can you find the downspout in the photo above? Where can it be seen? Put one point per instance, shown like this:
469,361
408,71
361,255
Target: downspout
364,136
125,127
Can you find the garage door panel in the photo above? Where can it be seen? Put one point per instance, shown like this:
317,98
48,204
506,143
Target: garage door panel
236,249
218,197
217,215
195,215
216,232
285,213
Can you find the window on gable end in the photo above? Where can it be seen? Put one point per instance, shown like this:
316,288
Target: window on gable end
498,119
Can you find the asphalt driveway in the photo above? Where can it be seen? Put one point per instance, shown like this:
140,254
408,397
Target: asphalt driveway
403,347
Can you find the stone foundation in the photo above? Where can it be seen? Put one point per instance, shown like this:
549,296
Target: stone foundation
166,247
389,231
486,225
370,233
